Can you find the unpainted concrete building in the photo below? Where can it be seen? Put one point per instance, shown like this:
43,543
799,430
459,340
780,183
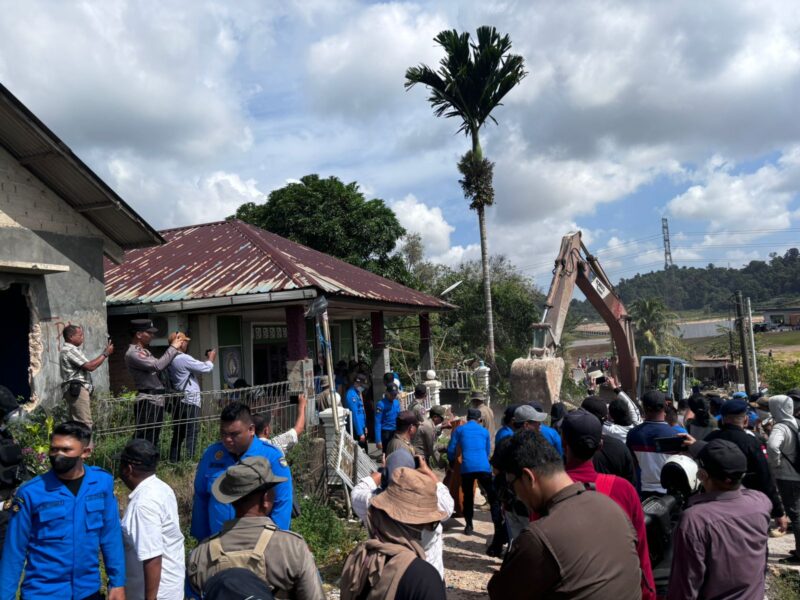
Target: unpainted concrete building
58,220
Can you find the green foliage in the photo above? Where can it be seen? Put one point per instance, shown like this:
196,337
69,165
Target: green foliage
783,584
709,289
779,377
477,180
655,328
329,537
33,436
335,218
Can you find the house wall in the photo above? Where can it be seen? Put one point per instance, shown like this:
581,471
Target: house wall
37,226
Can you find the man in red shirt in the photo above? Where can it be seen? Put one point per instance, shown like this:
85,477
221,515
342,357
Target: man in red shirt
581,435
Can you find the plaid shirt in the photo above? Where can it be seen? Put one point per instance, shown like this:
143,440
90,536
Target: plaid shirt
70,361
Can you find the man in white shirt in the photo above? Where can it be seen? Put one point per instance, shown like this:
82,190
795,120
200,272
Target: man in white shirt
286,440
372,485
151,532
183,372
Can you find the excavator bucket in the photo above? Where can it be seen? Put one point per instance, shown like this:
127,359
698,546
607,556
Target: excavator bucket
536,379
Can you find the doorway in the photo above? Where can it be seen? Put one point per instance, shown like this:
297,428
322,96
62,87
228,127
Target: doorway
15,356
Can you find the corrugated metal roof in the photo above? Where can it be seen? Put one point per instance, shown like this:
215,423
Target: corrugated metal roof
231,258
40,151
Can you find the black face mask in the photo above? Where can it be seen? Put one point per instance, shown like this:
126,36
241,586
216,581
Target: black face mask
61,464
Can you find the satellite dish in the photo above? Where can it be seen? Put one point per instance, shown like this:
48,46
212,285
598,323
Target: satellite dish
452,287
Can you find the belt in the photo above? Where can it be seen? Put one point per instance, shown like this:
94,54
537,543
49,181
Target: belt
152,392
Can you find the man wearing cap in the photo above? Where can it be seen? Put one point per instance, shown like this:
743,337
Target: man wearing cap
582,436
472,439
405,429
76,374
151,530
391,565
252,540
354,402
720,542
758,476
641,442
238,441
145,369
386,411
366,490
425,440
583,547
183,372
478,400
613,457
532,417
417,401
326,396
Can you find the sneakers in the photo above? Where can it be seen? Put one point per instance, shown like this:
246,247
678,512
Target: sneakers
494,551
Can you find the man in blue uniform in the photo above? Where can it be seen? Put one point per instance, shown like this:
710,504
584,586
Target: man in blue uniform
386,412
531,416
239,441
354,402
473,441
60,522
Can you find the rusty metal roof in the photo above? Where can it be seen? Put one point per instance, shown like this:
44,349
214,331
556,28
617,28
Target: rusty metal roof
233,258
40,151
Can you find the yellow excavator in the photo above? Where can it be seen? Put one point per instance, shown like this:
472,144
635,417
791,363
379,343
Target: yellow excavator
538,377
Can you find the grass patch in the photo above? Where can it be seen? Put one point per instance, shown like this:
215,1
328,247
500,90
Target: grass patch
783,584
779,338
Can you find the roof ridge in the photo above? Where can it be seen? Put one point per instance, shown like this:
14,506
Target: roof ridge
268,248
195,226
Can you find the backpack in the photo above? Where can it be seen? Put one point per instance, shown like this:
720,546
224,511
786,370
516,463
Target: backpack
218,559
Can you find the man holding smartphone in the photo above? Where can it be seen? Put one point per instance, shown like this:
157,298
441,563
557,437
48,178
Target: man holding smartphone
76,374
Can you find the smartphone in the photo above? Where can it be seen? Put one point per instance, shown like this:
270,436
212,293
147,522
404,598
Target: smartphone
294,398
416,462
600,380
668,445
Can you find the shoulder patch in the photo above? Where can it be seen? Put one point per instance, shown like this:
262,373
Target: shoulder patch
282,461
218,455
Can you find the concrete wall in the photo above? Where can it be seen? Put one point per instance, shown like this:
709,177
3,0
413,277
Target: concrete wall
37,226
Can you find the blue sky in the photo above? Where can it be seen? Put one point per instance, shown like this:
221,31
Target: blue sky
631,111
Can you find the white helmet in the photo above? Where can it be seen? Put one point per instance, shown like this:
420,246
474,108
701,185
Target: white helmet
679,475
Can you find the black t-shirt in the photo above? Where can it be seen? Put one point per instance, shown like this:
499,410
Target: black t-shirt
614,458
421,581
73,485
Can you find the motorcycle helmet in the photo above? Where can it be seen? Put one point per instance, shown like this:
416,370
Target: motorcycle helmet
679,476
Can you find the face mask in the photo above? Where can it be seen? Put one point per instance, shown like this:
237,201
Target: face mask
61,464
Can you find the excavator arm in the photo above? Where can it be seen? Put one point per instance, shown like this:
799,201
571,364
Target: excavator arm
576,266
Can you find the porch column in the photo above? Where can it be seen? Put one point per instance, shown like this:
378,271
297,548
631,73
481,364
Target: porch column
380,355
425,344
296,333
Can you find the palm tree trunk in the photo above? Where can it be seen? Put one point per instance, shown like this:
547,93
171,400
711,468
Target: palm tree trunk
487,287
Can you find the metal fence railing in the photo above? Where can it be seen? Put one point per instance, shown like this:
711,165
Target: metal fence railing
181,433
451,379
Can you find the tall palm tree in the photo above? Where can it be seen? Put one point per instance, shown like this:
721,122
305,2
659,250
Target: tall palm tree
654,325
471,81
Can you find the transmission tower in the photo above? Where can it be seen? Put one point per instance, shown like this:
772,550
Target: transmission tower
667,251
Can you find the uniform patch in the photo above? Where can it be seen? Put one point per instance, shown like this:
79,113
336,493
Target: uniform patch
219,455
283,462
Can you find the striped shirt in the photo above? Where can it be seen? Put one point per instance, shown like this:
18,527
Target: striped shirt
641,442
71,359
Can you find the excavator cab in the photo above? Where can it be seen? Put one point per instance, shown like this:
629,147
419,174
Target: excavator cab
666,374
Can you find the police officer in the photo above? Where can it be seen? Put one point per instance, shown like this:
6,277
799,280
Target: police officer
420,394
145,369
386,412
474,442
239,441
61,521
12,469
478,400
425,439
252,540
354,402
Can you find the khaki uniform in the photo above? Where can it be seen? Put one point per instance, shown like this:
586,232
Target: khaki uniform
399,443
283,559
487,419
425,442
149,406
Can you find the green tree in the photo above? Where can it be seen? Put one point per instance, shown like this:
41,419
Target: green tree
335,218
655,327
471,82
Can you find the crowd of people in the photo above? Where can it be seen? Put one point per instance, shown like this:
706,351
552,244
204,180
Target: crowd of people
567,490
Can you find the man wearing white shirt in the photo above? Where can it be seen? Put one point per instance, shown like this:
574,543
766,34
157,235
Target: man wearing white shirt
183,371
151,532
372,485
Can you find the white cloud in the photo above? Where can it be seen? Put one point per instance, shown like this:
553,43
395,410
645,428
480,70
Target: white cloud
428,222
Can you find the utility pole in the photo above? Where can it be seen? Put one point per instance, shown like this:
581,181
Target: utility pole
667,249
740,324
752,335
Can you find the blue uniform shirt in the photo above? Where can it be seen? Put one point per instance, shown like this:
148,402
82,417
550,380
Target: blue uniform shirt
386,416
473,438
502,433
551,435
208,514
59,535
355,405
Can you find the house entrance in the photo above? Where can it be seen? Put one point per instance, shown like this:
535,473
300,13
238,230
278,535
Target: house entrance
270,353
14,351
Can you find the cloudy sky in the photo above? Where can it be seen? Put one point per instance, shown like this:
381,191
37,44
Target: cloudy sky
631,112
